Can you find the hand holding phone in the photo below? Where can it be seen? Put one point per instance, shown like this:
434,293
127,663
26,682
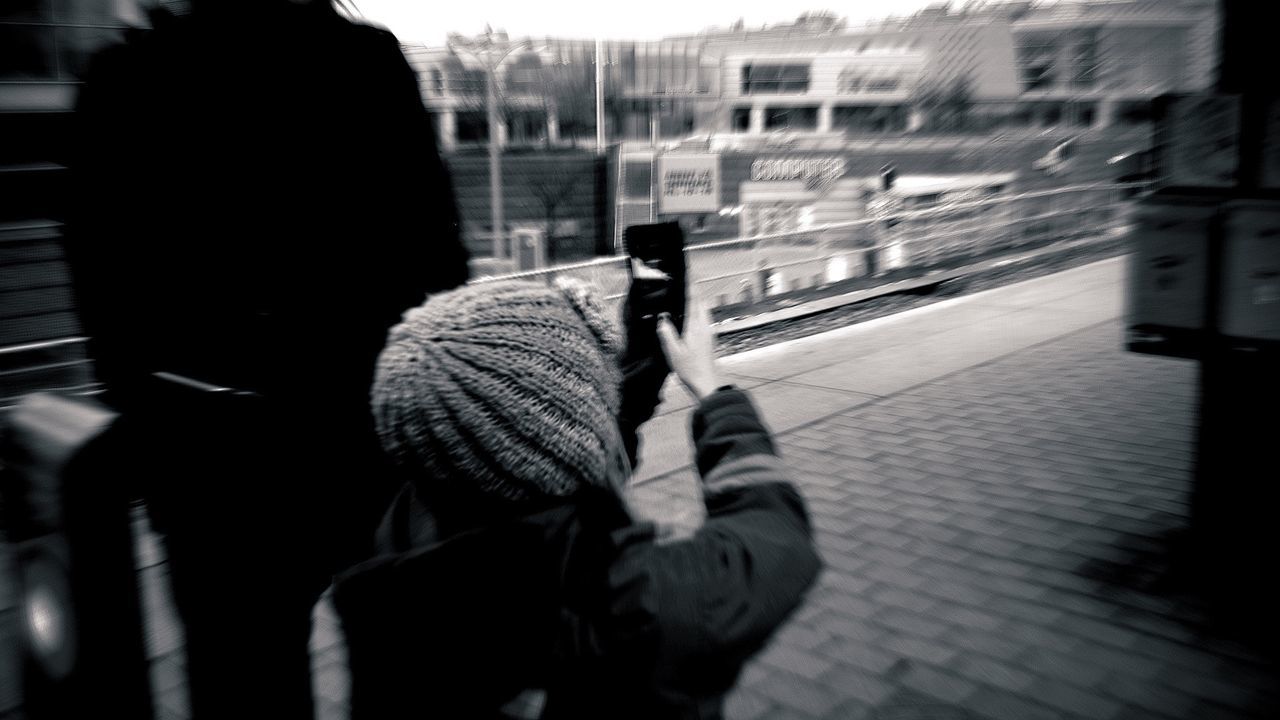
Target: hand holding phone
657,271
692,356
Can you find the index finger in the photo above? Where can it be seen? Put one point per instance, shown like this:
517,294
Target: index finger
668,337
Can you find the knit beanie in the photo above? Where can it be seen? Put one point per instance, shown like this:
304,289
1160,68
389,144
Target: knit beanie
511,387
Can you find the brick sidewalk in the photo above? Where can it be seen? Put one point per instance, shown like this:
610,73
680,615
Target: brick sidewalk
980,476
965,523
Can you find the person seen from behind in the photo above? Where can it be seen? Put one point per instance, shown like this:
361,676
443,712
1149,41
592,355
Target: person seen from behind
512,559
257,197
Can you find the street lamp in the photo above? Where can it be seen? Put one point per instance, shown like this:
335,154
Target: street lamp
491,52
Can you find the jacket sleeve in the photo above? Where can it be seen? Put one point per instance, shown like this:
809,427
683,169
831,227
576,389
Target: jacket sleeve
719,594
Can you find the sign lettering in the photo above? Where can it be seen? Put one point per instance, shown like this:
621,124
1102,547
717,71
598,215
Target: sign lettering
688,183
807,169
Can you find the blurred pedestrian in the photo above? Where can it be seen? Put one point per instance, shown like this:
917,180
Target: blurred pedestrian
512,559
259,197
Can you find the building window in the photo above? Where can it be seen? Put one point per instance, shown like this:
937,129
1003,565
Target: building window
869,118
1052,114
472,126
849,82
674,118
923,201
1084,59
774,79
858,118
637,178
706,79
883,84
853,81
437,82
629,67
1136,112
791,118
741,119
1084,114
468,82
1036,77
1037,63
527,126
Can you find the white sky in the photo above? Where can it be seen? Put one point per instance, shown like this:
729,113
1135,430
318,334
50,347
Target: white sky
430,20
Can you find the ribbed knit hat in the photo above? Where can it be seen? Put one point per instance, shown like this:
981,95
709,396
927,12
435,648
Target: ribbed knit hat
511,387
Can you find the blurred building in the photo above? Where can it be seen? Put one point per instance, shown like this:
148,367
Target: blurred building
1102,63
985,66
816,90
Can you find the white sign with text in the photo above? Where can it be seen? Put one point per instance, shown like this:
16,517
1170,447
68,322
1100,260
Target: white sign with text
688,184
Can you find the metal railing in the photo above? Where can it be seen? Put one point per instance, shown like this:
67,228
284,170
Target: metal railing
742,271
60,365
752,269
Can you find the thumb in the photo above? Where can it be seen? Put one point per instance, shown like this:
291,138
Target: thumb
640,271
668,337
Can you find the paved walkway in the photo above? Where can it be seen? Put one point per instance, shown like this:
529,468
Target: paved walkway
980,473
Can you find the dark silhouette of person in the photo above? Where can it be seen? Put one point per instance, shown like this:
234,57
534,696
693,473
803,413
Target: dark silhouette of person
258,198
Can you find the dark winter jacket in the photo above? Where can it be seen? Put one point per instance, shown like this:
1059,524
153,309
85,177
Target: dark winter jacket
258,198
600,611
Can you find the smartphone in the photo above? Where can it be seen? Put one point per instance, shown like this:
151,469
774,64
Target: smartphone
661,247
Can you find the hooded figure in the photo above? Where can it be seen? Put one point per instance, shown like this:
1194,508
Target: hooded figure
511,560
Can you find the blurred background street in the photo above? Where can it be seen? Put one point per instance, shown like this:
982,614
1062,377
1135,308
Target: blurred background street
916,231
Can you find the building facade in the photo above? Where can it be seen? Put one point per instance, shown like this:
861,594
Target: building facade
988,66
816,87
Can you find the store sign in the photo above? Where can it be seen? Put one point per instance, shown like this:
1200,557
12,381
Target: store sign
1168,270
812,170
1271,148
1251,271
688,184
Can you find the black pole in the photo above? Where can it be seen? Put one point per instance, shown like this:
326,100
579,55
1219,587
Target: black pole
1235,494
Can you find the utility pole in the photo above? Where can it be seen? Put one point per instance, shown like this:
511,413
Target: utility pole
495,162
491,53
599,97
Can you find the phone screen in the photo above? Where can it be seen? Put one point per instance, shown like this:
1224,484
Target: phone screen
661,247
